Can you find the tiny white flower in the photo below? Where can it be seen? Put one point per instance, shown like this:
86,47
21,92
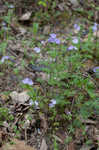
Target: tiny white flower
37,49
36,103
68,113
43,42
31,102
53,103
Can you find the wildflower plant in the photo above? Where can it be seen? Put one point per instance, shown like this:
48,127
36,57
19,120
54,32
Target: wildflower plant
67,94
67,86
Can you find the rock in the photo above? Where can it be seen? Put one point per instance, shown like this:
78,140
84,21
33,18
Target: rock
19,97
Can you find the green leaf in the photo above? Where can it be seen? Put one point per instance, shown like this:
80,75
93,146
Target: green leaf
35,28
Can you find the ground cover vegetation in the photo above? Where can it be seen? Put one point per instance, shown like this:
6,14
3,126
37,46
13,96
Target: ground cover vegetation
49,73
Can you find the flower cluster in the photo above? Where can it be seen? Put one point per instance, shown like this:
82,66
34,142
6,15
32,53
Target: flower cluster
53,39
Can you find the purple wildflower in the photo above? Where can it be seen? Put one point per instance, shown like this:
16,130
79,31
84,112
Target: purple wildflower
53,35
53,103
75,40
57,41
27,81
4,58
76,27
68,113
37,49
4,24
11,6
72,48
96,69
95,27
53,39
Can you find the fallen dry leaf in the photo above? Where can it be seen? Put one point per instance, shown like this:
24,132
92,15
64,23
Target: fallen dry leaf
44,124
43,145
25,16
19,97
18,145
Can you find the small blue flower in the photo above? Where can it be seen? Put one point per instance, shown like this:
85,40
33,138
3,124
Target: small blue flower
11,6
27,81
53,103
95,27
72,48
35,103
37,49
53,35
96,69
53,39
5,58
57,41
68,113
4,24
77,27
75,40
